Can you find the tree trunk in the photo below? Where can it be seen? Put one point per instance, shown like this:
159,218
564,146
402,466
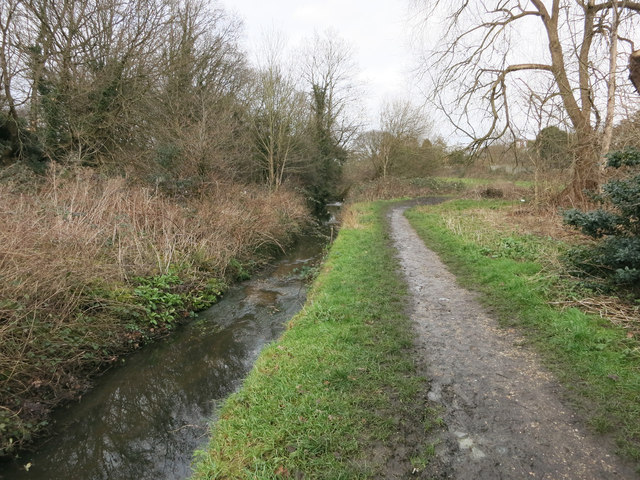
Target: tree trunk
11,124
634,69
585,175
13,131
611,85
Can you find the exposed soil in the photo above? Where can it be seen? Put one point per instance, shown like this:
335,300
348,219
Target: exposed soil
503,412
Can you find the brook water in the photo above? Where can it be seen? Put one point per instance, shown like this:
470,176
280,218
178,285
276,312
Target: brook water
145,419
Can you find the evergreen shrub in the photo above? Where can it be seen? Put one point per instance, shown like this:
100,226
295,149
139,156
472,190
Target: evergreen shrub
616,256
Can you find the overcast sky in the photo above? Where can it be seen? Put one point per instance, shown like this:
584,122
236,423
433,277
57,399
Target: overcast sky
376,29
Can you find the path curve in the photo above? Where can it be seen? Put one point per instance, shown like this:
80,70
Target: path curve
503,415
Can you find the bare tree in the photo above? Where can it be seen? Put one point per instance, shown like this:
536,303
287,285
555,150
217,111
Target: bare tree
369,147
278,114
11,17
145,83
481,64
92,64
195,115
328,71
401,123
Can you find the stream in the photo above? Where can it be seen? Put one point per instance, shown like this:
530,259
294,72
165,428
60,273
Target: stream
144,419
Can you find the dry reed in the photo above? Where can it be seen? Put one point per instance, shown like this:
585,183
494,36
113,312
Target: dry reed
77,235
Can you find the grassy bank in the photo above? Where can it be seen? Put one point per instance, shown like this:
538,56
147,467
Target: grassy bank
491,249
394,187
336,391
92,267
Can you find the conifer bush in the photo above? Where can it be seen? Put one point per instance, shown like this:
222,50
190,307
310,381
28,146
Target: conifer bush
616,256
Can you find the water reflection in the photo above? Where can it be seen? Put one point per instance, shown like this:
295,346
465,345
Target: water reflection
144,420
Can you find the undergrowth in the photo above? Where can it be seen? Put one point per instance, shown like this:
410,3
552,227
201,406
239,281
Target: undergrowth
522,280
92,266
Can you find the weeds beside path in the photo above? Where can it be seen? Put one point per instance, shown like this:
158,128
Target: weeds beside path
517,277
502,409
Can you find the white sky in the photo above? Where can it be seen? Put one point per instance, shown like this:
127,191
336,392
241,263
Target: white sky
377,30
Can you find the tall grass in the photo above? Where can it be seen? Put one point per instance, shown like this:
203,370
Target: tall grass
71,248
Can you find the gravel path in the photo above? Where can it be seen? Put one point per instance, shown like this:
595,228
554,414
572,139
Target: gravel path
502,409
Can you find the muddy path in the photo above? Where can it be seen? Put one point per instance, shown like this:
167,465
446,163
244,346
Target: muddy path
503,411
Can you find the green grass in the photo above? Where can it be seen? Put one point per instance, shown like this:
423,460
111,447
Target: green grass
461,185
516,278
339,381
471,182
475,182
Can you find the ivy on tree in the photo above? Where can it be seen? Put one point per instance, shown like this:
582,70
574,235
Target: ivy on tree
616,257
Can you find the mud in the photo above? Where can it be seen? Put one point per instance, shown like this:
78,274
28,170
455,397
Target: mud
503,411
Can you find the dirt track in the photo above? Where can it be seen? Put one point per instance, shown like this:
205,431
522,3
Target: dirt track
503,414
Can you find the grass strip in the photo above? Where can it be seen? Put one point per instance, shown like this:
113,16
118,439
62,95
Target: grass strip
475,182
337,381
598,362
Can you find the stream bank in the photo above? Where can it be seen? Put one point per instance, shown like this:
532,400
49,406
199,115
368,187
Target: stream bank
145,418
330,399
94,266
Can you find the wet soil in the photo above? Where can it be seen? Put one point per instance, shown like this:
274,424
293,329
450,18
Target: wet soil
503,411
